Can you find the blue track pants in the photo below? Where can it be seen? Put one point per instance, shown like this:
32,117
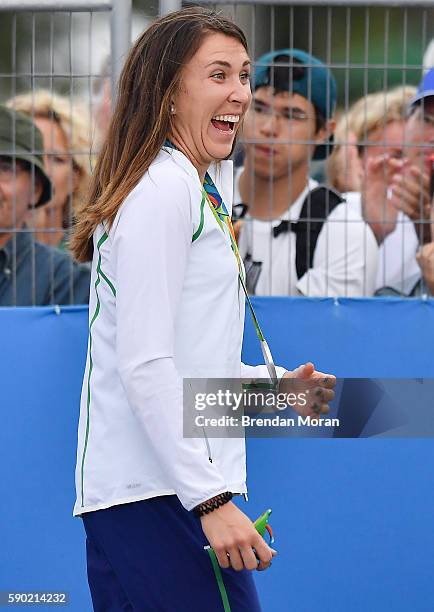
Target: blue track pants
148,556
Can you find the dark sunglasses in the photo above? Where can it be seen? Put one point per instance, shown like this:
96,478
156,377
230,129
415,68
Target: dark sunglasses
284,71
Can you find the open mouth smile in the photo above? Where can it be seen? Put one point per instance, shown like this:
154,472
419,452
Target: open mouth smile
225,123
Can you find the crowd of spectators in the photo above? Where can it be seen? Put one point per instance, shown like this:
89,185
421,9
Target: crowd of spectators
295,235
382,158
364,229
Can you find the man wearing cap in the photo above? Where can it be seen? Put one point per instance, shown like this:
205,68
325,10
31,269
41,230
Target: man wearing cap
296,236
397,202
31,274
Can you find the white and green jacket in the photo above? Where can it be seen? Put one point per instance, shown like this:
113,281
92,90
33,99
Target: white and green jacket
162,307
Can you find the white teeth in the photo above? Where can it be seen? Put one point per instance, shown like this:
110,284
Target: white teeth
231,118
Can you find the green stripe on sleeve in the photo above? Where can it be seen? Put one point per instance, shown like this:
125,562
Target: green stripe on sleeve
95,316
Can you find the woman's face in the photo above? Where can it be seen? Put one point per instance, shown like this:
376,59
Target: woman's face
57,161
388,139
213,97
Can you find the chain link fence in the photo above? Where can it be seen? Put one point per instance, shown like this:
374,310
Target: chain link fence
59,63
332,188
379,241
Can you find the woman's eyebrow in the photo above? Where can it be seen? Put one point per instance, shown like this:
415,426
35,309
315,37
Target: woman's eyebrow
226,64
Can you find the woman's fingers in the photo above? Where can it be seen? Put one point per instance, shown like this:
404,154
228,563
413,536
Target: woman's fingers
264,554
249,558
261,567
253,556
411,193
327,381
324,395
235,558
222,556
320,397
317,409
412,207
303,372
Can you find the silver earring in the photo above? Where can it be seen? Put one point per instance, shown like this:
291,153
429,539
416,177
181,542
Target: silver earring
172,109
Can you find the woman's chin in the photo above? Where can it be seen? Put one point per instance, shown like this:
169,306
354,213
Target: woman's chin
218,151
218,143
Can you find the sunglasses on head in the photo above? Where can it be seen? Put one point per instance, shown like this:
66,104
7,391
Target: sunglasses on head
283,72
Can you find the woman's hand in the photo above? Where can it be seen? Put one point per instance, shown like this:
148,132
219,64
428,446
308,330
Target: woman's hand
348,165
380,195
317,388
411,194
234,539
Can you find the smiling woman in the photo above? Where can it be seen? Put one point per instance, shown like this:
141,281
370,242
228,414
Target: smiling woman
164,261
213,97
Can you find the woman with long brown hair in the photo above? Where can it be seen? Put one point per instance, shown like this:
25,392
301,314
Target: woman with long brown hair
166,305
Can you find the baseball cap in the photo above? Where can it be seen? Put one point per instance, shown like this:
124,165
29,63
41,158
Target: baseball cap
21,139
425,89
309,77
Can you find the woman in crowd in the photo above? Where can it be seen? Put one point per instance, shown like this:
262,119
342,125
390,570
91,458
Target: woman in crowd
66,133
167,304
370,161
373,126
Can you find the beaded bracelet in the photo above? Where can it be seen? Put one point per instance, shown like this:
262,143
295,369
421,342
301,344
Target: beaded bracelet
213,503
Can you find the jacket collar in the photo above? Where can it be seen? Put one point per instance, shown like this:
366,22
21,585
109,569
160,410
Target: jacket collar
221,173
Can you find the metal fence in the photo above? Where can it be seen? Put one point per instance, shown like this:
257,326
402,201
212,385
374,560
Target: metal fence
59,64
380,161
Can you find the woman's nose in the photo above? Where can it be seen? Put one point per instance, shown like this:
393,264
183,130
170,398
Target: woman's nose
241,93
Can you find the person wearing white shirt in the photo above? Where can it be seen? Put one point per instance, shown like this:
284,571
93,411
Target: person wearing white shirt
401,200
166,304
383,155
323,247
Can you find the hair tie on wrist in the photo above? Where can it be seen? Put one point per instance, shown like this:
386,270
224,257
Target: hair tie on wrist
213,503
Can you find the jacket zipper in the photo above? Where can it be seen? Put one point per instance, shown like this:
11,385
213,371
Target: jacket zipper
207,445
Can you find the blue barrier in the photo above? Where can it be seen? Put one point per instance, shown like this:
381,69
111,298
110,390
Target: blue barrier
353,338
353,518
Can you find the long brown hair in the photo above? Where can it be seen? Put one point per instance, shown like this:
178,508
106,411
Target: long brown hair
141,119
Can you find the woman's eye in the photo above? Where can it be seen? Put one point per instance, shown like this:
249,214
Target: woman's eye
245,76
59,160
220,76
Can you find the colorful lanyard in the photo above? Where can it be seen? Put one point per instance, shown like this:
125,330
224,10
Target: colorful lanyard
223,218
219,210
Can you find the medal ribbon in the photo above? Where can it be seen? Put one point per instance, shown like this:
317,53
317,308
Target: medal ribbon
220,212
